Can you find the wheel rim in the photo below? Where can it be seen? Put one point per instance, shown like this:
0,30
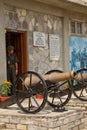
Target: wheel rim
58,93
80,86
31,97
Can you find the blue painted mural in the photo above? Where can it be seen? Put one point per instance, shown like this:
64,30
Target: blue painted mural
78,52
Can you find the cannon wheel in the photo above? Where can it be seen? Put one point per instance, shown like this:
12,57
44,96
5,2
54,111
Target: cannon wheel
31,97
80,87
59,93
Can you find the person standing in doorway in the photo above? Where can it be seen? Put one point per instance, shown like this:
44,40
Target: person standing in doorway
12,65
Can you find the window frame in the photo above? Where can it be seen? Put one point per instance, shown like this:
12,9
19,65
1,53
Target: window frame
77,29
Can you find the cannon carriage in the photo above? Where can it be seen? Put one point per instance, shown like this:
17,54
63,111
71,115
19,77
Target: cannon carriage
33,91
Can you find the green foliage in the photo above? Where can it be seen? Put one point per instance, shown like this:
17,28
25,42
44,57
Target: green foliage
65,86
5,88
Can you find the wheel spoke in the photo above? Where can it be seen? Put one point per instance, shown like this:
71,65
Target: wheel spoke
30,80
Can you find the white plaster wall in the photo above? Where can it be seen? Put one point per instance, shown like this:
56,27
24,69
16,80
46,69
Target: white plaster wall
2,44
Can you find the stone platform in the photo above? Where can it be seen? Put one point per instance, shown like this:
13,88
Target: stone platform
14,118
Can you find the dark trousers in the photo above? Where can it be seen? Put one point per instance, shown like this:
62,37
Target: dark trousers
11,75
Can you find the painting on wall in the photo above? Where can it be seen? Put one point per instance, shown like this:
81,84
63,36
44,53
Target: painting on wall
78,52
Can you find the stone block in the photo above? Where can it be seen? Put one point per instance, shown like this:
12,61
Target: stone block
21,127
2,125
11,126
76,128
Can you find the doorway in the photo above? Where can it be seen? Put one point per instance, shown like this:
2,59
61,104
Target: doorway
18,40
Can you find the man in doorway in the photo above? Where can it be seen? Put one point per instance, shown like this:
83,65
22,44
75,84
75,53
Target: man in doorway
12,65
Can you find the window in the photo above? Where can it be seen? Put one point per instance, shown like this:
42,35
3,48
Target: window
76,27
73,27
79,28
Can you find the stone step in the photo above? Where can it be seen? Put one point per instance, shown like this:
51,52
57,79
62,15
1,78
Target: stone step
2,126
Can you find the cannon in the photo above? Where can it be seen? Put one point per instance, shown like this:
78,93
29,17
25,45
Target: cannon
33,91
30,84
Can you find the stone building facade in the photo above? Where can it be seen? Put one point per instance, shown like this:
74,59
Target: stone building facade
33,16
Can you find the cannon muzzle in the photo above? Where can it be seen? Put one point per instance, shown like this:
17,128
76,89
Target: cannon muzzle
81,77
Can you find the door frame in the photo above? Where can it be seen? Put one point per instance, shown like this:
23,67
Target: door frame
21,48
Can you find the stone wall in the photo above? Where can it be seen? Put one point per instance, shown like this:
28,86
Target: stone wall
74,118
39,57
68,120
82,105
30,21
33,16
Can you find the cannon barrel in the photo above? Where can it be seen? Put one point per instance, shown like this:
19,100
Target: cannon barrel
81,77
53,77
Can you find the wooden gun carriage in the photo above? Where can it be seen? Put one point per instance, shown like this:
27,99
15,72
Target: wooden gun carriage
33,91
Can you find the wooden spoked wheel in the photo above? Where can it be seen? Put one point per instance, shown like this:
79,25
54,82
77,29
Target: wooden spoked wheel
80,85
30,92
59,93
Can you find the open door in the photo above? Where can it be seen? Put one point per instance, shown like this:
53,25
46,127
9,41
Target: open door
18,40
